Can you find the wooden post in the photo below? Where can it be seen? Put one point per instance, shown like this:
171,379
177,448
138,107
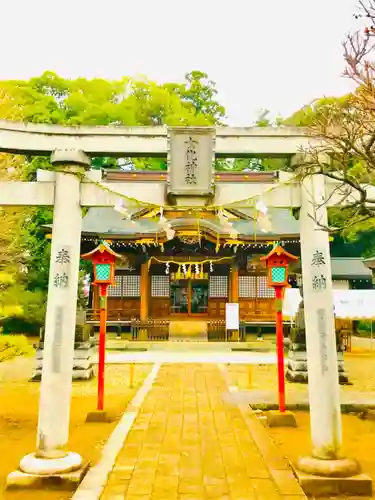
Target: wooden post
95,298
234,284
234,291
144,298
249,376
144,292
131,375
280,346
102,338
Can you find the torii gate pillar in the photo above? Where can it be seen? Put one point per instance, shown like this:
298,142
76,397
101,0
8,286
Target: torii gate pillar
52,457
324,396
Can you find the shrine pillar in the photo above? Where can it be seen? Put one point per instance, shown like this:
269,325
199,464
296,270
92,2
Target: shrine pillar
325,411
52,456
144,291
233,289
323,380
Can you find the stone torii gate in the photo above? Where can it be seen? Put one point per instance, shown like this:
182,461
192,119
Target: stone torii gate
73,186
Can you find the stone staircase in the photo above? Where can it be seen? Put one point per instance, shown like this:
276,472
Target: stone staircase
188,331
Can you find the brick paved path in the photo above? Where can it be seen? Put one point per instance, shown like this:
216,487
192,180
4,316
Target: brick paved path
186,443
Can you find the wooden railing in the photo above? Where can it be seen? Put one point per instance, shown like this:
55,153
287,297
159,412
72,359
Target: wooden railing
216,331
114,315
158,328
152,329
346,340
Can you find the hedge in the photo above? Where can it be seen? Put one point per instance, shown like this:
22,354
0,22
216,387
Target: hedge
13,345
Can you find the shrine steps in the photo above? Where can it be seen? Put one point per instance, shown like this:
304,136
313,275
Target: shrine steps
188,331
183,346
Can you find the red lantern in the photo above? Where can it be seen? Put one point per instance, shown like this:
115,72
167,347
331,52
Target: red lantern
103,259
277,262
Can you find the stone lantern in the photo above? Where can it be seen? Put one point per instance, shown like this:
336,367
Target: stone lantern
297,356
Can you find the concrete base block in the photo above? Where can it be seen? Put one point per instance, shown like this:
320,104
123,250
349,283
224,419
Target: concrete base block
320,486
295,346
297,355
278,419
68,481
188,331
297,365
342,476
297,376
301,376
34,464
77,374
100,416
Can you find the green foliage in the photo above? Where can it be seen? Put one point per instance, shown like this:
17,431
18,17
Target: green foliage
14,345
51,99
252,164
129,102
343,122
306,116
82,301
365,326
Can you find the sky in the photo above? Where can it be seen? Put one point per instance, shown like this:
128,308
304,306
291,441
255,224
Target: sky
262,54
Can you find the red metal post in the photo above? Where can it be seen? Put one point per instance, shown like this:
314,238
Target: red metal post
102,335
280,346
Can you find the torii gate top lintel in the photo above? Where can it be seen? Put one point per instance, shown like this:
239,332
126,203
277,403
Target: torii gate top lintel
116,141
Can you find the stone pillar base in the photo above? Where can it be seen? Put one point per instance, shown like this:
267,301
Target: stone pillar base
332,477
100,416
39,473
276,418
83,368
297,365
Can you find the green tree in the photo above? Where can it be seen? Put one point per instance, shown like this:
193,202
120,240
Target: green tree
129,102
345,131
52,99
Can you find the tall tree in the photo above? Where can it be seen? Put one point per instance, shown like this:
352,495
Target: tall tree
346,128
52,99
56,100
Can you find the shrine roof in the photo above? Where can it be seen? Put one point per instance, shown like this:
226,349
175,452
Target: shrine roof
350,268
107,222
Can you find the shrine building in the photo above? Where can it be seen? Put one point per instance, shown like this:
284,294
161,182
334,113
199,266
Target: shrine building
186,264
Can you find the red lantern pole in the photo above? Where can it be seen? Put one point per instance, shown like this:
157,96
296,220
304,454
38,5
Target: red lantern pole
103,259
102,335
280,346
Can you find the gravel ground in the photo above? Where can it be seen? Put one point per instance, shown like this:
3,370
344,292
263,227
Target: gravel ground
19,411
359,366
358,442
358,435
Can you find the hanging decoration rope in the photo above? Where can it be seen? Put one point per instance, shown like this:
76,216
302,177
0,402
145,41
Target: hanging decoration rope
249,202
185,264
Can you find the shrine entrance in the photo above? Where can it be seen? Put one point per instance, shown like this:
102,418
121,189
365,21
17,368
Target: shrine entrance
189,297
192,185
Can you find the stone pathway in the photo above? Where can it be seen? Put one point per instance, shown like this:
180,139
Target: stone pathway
189,356
187,443
262,398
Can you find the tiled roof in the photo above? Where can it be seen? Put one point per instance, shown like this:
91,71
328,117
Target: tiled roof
107,221
349,267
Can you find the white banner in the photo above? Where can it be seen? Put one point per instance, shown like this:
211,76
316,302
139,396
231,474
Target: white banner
232,316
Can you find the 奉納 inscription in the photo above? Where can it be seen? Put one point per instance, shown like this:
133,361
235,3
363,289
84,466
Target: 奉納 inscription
62,265
319,276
